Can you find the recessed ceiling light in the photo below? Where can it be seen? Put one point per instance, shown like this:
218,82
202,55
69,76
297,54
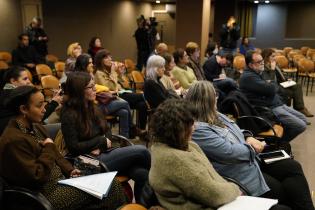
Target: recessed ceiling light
256,2
157,2
267,2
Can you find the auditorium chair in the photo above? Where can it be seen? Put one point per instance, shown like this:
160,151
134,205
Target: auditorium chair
138,81
286,50
3,65
50,85
43,70
304,50
51,58
6,57
306,68
60,68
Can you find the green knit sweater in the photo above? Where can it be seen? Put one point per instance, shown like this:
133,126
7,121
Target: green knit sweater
187,180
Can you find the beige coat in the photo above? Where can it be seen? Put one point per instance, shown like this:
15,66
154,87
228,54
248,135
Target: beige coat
186,180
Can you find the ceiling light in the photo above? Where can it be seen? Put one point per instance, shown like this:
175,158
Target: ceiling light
256,2
267,2
157,2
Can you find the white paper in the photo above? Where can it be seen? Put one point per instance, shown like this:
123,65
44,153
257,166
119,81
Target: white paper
97,185
288,83
249,203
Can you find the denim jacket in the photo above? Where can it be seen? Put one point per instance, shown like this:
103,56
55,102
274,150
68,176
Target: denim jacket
230,155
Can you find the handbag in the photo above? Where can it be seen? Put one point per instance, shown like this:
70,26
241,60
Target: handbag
105,97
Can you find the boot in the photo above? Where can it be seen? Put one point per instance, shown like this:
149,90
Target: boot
306,112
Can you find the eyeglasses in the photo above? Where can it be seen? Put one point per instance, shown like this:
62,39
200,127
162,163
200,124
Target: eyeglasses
261,62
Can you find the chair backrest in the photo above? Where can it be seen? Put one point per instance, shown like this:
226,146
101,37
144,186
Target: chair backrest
282,61
239,63
130,65
279,52
29,74
60,68
286,50
306,65
296,58
49,84
51,58
133,206
310,52
53,129
43,70
6,57
304,50
3,65
138,80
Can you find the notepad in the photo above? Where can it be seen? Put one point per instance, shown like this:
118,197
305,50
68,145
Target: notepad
249,203
288,83
274,156
97,185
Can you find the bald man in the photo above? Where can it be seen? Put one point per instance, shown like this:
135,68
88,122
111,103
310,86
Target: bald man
160,49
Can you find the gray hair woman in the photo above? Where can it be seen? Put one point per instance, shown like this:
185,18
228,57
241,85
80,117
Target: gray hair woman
232,154
154,91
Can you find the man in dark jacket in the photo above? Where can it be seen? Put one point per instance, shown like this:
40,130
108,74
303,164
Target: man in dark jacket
38,37
25,55
229,35
264,93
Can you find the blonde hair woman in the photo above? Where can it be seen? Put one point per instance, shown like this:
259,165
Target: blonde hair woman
73,51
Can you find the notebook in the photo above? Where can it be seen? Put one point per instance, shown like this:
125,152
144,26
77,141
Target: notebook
249,203
288,83
97,185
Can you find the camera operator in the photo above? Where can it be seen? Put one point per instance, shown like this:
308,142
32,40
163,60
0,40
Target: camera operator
229,35
145,38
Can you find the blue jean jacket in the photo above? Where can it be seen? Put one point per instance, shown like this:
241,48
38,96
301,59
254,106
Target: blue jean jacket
230,155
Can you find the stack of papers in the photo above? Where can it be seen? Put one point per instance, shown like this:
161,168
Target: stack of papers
97,185
249,203
288,83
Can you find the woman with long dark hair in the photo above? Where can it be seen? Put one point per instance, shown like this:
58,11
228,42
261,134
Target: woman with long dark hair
95,45
118,107
84,128
30,159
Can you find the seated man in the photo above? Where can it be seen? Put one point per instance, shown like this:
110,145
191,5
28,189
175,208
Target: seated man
264,93
25,55
213,69
160,49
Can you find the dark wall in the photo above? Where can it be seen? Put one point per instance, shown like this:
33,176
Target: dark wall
273,21
10,24
79,20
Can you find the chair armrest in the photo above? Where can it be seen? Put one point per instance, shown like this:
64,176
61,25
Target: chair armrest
28,197
123,141
242,187
243,118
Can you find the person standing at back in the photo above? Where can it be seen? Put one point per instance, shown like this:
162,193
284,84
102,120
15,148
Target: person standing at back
229,35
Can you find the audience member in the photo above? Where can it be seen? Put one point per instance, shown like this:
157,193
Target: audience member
30,159
213,69
181,175
84,128
25,55
260,92
106,74
38,37
212,48
229,35
160,49
245,46
94,46
168,81
154,91
233,153
73,51
117,107
181,72
193,51
15,77
273,73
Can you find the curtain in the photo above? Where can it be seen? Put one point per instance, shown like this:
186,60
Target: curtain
246,19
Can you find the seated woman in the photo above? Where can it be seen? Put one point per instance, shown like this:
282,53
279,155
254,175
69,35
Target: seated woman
181,175
193,51
183,73
154,91
273,73
73,51
245,46
233,154
168,80
30,159
15,77
94,46
83,128
117,107
106,74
